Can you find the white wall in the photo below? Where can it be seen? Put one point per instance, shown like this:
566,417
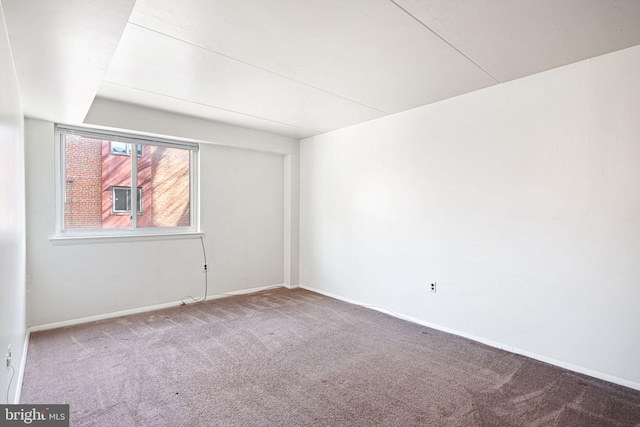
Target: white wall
12,228
114,114
242,196
522,201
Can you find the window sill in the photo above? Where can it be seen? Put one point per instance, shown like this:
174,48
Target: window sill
121,238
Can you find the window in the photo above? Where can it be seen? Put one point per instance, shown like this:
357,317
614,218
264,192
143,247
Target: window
123,148
96,176
121,199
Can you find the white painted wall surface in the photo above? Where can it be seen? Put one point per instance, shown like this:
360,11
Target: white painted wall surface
12,226
242,216
110,113
522,201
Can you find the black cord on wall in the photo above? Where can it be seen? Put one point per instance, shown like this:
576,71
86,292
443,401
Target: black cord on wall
206,278
13,372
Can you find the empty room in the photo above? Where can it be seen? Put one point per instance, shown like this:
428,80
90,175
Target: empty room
320,213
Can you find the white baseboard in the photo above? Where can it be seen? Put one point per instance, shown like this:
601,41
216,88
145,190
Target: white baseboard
111,315
491,343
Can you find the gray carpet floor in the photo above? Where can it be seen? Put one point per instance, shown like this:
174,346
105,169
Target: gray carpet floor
296,358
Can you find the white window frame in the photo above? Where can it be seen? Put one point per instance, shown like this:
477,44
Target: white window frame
62,234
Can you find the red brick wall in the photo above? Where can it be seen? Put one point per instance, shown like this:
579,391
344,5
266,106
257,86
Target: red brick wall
83,183
169,186
116,171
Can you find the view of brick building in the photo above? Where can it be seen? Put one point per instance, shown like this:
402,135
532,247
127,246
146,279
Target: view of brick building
98,185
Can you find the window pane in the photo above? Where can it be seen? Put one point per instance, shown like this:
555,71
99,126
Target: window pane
139,202
124,148
163,174
119,148
92,169
83,182
121,199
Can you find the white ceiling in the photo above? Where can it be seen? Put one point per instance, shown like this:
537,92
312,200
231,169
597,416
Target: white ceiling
295,67
61,50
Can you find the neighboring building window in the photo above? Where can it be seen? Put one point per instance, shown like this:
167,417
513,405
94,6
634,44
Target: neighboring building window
97,174
124,149
121,199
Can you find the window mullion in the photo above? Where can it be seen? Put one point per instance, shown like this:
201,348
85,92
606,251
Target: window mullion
134,188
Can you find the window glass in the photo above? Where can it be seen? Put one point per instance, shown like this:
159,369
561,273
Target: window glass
91,169
123,148
121,199
164,173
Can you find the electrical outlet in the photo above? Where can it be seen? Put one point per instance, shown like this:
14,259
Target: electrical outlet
433,287
9,355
